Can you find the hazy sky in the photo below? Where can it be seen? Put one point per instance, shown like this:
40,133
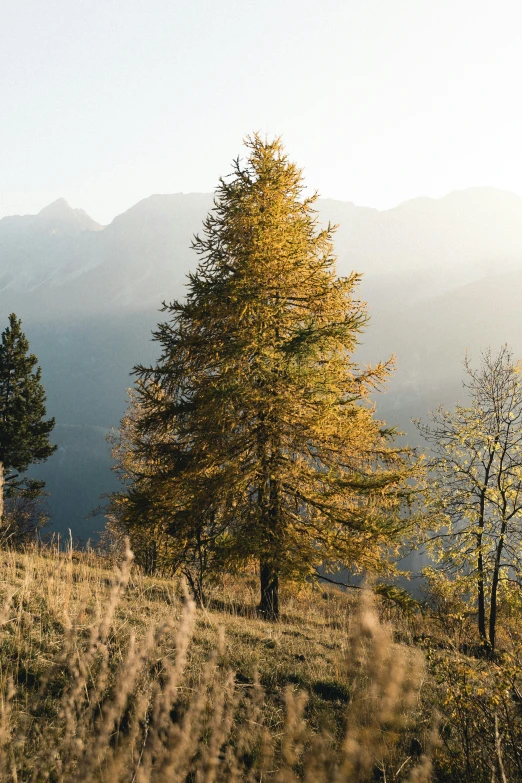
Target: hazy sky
104,102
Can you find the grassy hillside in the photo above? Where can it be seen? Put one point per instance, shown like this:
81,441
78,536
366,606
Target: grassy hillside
109,675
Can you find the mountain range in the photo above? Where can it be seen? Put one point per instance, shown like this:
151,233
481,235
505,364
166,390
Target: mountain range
440,277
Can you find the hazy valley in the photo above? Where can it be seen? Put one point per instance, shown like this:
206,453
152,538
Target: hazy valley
439,277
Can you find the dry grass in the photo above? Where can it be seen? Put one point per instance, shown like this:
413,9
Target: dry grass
109,675
117,677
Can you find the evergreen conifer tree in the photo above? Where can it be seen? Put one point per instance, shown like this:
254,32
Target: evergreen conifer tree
24,433
255,438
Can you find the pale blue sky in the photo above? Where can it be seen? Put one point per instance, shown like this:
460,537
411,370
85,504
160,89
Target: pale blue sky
104,102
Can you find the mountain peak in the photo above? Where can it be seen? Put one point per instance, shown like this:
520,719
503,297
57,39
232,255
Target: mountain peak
60,213
60,206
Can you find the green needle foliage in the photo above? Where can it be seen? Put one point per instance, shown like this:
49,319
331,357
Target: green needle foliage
253,438
24,432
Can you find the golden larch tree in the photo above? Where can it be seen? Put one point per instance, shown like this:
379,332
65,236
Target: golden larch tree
256,438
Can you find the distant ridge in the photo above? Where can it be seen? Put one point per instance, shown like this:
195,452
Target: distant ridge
57,213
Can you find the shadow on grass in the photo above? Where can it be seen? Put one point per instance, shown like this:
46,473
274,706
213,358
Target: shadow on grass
232,607
331,691
240,609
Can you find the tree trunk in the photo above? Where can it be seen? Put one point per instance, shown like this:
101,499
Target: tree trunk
480,564
269,605
494,588
493,612
481,599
